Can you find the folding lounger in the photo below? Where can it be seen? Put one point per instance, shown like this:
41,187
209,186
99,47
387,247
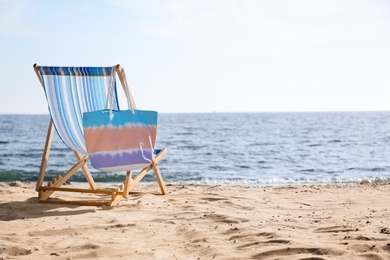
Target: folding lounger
71,91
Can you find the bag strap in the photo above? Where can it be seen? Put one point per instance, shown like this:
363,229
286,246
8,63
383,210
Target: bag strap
110,95
111,92
129,96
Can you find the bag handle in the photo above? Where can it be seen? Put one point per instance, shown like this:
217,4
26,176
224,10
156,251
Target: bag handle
129,96
111,95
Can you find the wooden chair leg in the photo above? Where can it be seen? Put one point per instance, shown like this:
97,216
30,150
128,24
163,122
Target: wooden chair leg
117,195
45,156
159,178
58,182
86,171
156,170
127,184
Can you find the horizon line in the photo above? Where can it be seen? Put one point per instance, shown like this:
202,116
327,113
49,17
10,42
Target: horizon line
236,112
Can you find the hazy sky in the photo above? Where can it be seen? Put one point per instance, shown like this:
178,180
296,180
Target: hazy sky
206,55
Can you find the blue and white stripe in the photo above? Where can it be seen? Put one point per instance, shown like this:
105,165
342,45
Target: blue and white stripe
71,91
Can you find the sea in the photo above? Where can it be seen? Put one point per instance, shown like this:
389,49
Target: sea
262,149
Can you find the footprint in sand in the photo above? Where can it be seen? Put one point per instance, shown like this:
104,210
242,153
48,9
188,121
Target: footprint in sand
337,229
297,251
16,251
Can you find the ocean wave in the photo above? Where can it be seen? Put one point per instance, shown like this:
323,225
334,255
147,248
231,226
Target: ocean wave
100,177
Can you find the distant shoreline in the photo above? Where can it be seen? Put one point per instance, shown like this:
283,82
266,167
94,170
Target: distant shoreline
232,112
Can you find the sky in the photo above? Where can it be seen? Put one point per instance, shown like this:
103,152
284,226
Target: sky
189,56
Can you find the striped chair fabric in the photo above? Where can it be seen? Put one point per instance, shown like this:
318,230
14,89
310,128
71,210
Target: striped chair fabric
71,91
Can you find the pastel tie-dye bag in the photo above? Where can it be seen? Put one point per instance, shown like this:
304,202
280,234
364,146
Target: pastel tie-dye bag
120,140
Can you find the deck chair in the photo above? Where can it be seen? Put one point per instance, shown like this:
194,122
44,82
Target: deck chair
71,91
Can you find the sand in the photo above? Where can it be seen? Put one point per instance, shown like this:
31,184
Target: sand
201,222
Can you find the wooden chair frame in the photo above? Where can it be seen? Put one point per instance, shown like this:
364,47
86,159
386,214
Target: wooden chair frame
115,195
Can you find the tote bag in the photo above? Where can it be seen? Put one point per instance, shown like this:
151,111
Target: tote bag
120,140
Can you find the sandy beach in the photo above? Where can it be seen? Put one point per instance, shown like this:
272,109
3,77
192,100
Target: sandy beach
201,222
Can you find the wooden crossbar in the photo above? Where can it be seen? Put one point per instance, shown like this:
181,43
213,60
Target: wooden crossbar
96,191
79,202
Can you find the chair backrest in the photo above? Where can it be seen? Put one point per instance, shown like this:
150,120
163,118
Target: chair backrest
71,91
